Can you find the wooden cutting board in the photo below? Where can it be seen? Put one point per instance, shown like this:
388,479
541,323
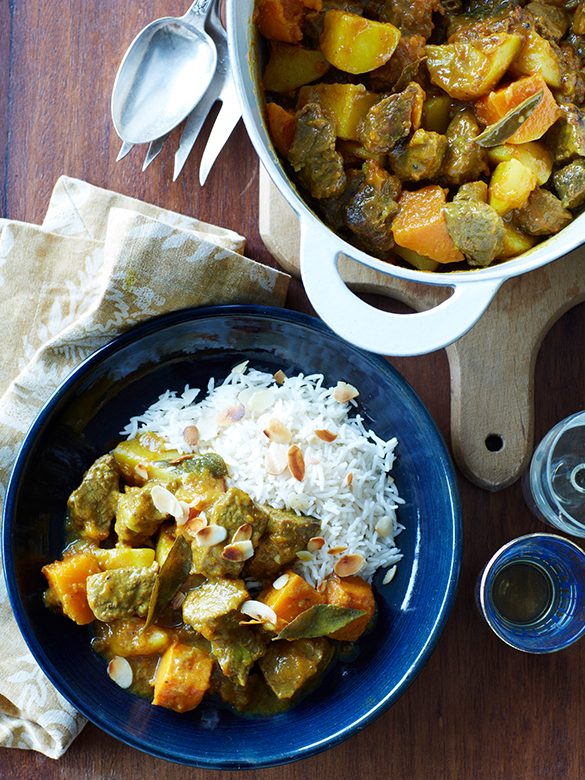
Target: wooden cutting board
491,366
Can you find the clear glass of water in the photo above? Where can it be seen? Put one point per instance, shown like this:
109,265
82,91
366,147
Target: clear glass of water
554,485
532,593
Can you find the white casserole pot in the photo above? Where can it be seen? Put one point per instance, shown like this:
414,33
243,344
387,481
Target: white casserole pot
356,321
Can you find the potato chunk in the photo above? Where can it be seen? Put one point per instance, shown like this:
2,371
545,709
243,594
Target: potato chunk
357,45
510,186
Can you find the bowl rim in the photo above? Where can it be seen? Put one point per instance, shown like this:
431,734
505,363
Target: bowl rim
442,609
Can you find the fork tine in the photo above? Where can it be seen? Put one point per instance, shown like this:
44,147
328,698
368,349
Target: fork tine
125,148
154,149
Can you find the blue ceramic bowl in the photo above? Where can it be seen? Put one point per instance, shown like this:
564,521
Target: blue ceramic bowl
83,419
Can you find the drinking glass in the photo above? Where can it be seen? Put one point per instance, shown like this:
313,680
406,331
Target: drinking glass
554,485
532,593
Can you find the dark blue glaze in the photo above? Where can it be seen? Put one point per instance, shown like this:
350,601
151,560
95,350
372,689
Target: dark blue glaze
83,419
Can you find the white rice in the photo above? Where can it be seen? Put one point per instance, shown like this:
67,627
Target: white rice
349,509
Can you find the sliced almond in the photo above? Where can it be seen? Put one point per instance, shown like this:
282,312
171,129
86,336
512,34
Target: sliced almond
240,368
180,459
276,458
177,602
186,512
210,535
141,471
120,671
344,392
195,524
259,611
296,463
278,432
322,587
279,377
384,526
238,551
389,576
280,582
191,435
325,435
316,543
337,550
243,533
231,415
305,556
261,401
348,565
168,503
349,478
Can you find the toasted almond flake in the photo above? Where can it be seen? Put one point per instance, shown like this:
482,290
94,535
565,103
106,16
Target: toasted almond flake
296,463
257,610
278,432
349,478
344,392
180,459
141,471
314,461
231,415
384,525
240,368
191,435
195,524
316,543
325,435
279,377
167,502
280,582
261,401
210,535
177,602
186,512
337,550
120,671
322,587
389,576
238,551
276,458
348,565
305,556
243,533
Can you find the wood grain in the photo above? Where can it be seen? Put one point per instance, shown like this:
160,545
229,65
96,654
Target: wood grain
478,710
492,365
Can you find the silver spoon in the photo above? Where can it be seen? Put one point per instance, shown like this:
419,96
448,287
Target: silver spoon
163,75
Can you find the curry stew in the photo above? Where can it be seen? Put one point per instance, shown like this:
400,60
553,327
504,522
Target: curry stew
441,134
189,585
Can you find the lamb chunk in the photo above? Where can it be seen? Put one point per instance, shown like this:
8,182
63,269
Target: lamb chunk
476,229
287,666
422,158
473,190
542,215
120,593
569,183
390,120
370,213
313,155
232,510
572,89
206,606
286,534
236,648
550,21
137,518
577,42
411,18
407,57
334,209
92,505
464,160
566,138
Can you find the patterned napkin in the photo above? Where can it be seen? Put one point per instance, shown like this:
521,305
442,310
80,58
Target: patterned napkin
100,263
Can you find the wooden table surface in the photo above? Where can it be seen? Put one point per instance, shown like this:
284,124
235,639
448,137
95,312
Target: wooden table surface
478,710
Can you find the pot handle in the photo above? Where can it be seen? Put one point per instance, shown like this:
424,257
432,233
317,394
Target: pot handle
385,333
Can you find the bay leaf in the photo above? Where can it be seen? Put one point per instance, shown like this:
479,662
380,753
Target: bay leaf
319,620
503,129
171,576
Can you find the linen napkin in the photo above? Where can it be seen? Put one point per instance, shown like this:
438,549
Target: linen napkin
100,263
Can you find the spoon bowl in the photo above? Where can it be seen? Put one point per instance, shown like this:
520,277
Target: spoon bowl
163,75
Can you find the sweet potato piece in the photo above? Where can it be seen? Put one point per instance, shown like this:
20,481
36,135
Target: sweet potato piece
289,601
67,585
182,677
497,104
354,593
281,125
282,20
420,225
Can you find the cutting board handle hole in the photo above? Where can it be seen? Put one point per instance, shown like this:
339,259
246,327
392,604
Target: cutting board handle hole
494,442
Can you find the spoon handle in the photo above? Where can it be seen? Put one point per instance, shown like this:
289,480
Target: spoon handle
197,13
